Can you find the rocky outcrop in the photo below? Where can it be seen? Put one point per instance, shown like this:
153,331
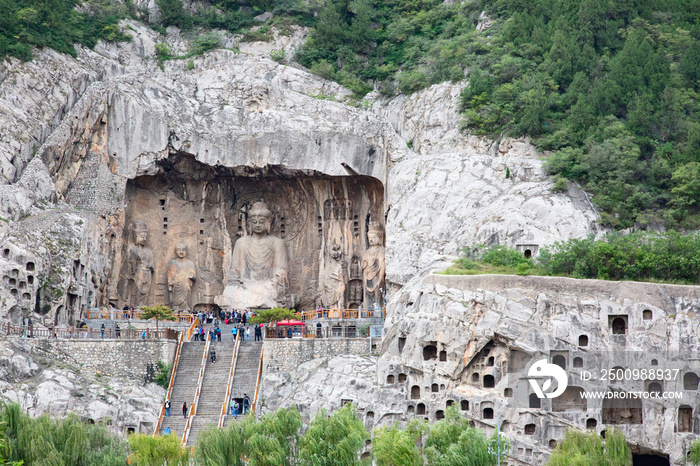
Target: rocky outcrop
469,342
454,190
33,378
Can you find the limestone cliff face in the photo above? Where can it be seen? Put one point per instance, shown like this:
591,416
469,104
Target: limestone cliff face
78,130
469,341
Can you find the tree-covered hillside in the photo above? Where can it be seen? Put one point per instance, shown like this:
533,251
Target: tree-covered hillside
610,88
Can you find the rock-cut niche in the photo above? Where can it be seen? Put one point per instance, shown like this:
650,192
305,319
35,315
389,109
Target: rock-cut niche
199,237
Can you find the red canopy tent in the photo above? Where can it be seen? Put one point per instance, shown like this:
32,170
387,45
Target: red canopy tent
289,322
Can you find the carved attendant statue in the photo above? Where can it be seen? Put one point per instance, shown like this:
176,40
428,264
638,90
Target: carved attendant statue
334,283
258,273
374,266
181,276
139,265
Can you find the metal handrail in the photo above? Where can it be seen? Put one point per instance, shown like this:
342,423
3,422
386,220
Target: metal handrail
90,333
193,406
170,384
257,383
120,314
224,407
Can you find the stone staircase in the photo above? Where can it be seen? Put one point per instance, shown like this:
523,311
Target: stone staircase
184,386
214,385
245,376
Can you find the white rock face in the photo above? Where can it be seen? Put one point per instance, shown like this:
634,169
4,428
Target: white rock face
455,190
116,402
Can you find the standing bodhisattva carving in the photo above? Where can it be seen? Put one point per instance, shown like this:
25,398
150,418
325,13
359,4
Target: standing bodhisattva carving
181,276
374,267
259,264
139,266
334,283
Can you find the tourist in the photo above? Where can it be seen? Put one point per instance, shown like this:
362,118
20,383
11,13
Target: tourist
167,407
184,409
196,334
202,333
235,409
234,331
102,329
218,334
117,331
246,404
244,318
212,353
230,404
212,336
247,334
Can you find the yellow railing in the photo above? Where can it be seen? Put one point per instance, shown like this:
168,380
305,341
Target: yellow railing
170,384
257,383
195,401
343,314
193,327
224,406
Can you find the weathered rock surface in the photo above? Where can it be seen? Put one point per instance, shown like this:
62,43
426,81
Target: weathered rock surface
468,341
111,115
454,190
42,385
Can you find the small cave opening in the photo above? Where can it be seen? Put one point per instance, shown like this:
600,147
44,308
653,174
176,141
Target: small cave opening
430,352
415,392
402,343
390,378
402,378
639,459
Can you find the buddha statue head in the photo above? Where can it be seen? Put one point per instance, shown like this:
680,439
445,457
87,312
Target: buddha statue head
375,234
139,232
260,218
181,250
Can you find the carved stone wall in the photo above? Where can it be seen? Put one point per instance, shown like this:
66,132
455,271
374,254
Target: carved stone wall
205,207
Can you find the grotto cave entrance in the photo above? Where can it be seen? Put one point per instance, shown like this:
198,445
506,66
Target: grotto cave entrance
205,207
639,459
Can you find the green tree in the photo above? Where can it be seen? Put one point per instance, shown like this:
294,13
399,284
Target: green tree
392,446
273,441
159,312
272,315
452,441
157,451
686,190
171,13
333,440
60,442
220,447
694,455
589,449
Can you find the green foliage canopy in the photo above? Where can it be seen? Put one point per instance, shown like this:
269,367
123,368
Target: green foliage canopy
60,442
589,449
333,440
275,314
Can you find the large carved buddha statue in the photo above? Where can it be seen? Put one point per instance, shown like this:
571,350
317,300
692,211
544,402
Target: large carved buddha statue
257,276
